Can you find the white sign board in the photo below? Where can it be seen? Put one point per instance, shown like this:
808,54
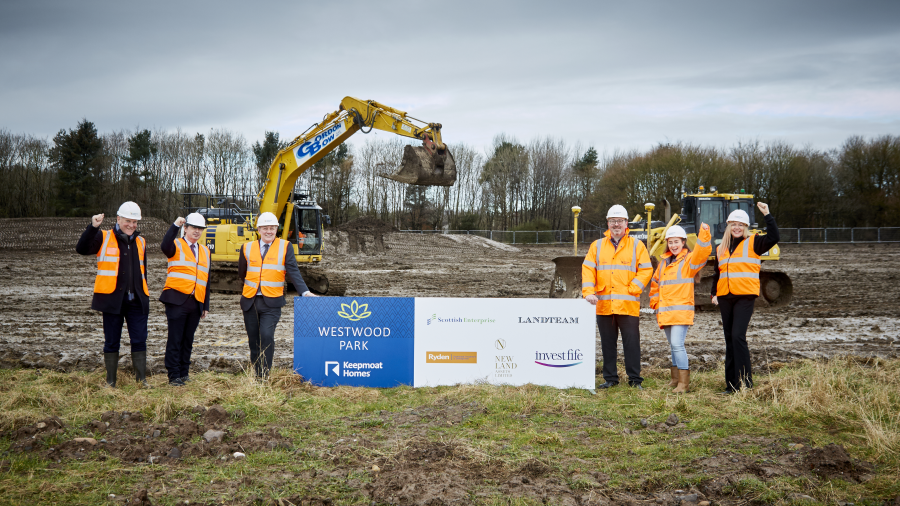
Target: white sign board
504,341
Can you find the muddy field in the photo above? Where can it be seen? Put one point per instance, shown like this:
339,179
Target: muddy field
846,302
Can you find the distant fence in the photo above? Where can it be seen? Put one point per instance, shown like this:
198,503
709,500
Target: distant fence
788,235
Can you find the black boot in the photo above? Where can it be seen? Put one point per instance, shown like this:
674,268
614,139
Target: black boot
112,364
139,361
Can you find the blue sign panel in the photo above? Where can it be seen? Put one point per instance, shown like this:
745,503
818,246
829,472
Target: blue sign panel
356,341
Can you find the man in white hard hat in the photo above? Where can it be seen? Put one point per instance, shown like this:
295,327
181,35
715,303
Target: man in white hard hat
615,271
120,288
263,265
186,294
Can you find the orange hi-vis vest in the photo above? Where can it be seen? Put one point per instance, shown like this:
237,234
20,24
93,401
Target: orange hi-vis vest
617,276
266,275
108,263
739,272
672,286
185,273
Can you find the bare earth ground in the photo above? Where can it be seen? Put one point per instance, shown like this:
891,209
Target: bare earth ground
846,302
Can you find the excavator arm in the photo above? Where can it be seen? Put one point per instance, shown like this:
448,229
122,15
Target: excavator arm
431,164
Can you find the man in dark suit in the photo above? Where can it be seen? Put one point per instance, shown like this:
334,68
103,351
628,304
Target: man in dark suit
263,265
120,288
186,294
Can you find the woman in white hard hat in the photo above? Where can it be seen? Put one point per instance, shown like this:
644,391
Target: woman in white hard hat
735,288
672,295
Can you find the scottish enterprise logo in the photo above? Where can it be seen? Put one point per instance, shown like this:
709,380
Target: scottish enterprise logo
457,319
570,356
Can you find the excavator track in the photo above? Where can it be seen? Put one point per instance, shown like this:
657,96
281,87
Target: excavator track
223,278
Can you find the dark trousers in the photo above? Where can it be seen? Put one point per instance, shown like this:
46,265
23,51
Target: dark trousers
609,327
133,313
183,321
260,321
736,313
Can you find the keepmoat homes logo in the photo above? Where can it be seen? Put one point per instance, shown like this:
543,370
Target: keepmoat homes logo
568,358
458,319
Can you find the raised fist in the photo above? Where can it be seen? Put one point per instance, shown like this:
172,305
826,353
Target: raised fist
704,226
764,208
179,221
97,220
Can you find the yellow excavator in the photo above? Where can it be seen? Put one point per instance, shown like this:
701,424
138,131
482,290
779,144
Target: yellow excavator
300,218
776,288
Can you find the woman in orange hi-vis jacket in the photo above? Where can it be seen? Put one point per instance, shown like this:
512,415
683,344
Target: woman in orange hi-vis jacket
672,295
735,288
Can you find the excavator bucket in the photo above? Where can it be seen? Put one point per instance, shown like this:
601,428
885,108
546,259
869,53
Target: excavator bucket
421,167
566,283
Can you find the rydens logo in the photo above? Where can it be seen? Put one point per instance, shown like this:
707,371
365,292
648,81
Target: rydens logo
354,311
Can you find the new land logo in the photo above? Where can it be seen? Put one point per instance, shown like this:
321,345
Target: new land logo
568,358
503,364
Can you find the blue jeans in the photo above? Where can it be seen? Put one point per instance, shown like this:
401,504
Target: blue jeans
676,334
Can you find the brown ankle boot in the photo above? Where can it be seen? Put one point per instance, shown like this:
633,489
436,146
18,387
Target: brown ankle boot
684,381
674,382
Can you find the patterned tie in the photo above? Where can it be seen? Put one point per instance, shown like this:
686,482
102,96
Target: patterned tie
194,251
265,250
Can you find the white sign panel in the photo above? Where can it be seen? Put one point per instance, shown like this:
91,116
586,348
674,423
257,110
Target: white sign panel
504,341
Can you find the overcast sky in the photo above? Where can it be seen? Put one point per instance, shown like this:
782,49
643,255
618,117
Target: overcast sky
615,75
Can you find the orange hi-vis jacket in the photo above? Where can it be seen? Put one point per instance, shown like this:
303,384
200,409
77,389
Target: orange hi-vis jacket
185,273
108,263
739,272
268,275
672,286
617,276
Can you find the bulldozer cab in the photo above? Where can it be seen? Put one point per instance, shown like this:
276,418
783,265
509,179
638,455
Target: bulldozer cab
713,209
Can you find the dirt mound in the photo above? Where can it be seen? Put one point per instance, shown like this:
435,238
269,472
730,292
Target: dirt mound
833,461
366,225
126,436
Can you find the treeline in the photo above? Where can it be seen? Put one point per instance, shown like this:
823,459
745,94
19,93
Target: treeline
513,185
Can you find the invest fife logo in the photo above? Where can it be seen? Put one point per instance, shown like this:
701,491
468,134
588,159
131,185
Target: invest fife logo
354,311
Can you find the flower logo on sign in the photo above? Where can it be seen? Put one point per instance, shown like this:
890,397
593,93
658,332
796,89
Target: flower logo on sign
354,311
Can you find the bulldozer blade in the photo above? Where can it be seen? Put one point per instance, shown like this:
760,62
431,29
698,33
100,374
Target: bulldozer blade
422,168
776,288
566,283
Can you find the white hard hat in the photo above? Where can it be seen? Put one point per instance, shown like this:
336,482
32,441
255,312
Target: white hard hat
676,231
617,211
129,210
196,220
266,219
739,216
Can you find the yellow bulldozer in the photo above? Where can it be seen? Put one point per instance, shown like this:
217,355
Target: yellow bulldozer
300,218
776,288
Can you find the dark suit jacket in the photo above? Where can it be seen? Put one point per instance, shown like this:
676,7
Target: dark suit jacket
168,295
290,269
129,263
